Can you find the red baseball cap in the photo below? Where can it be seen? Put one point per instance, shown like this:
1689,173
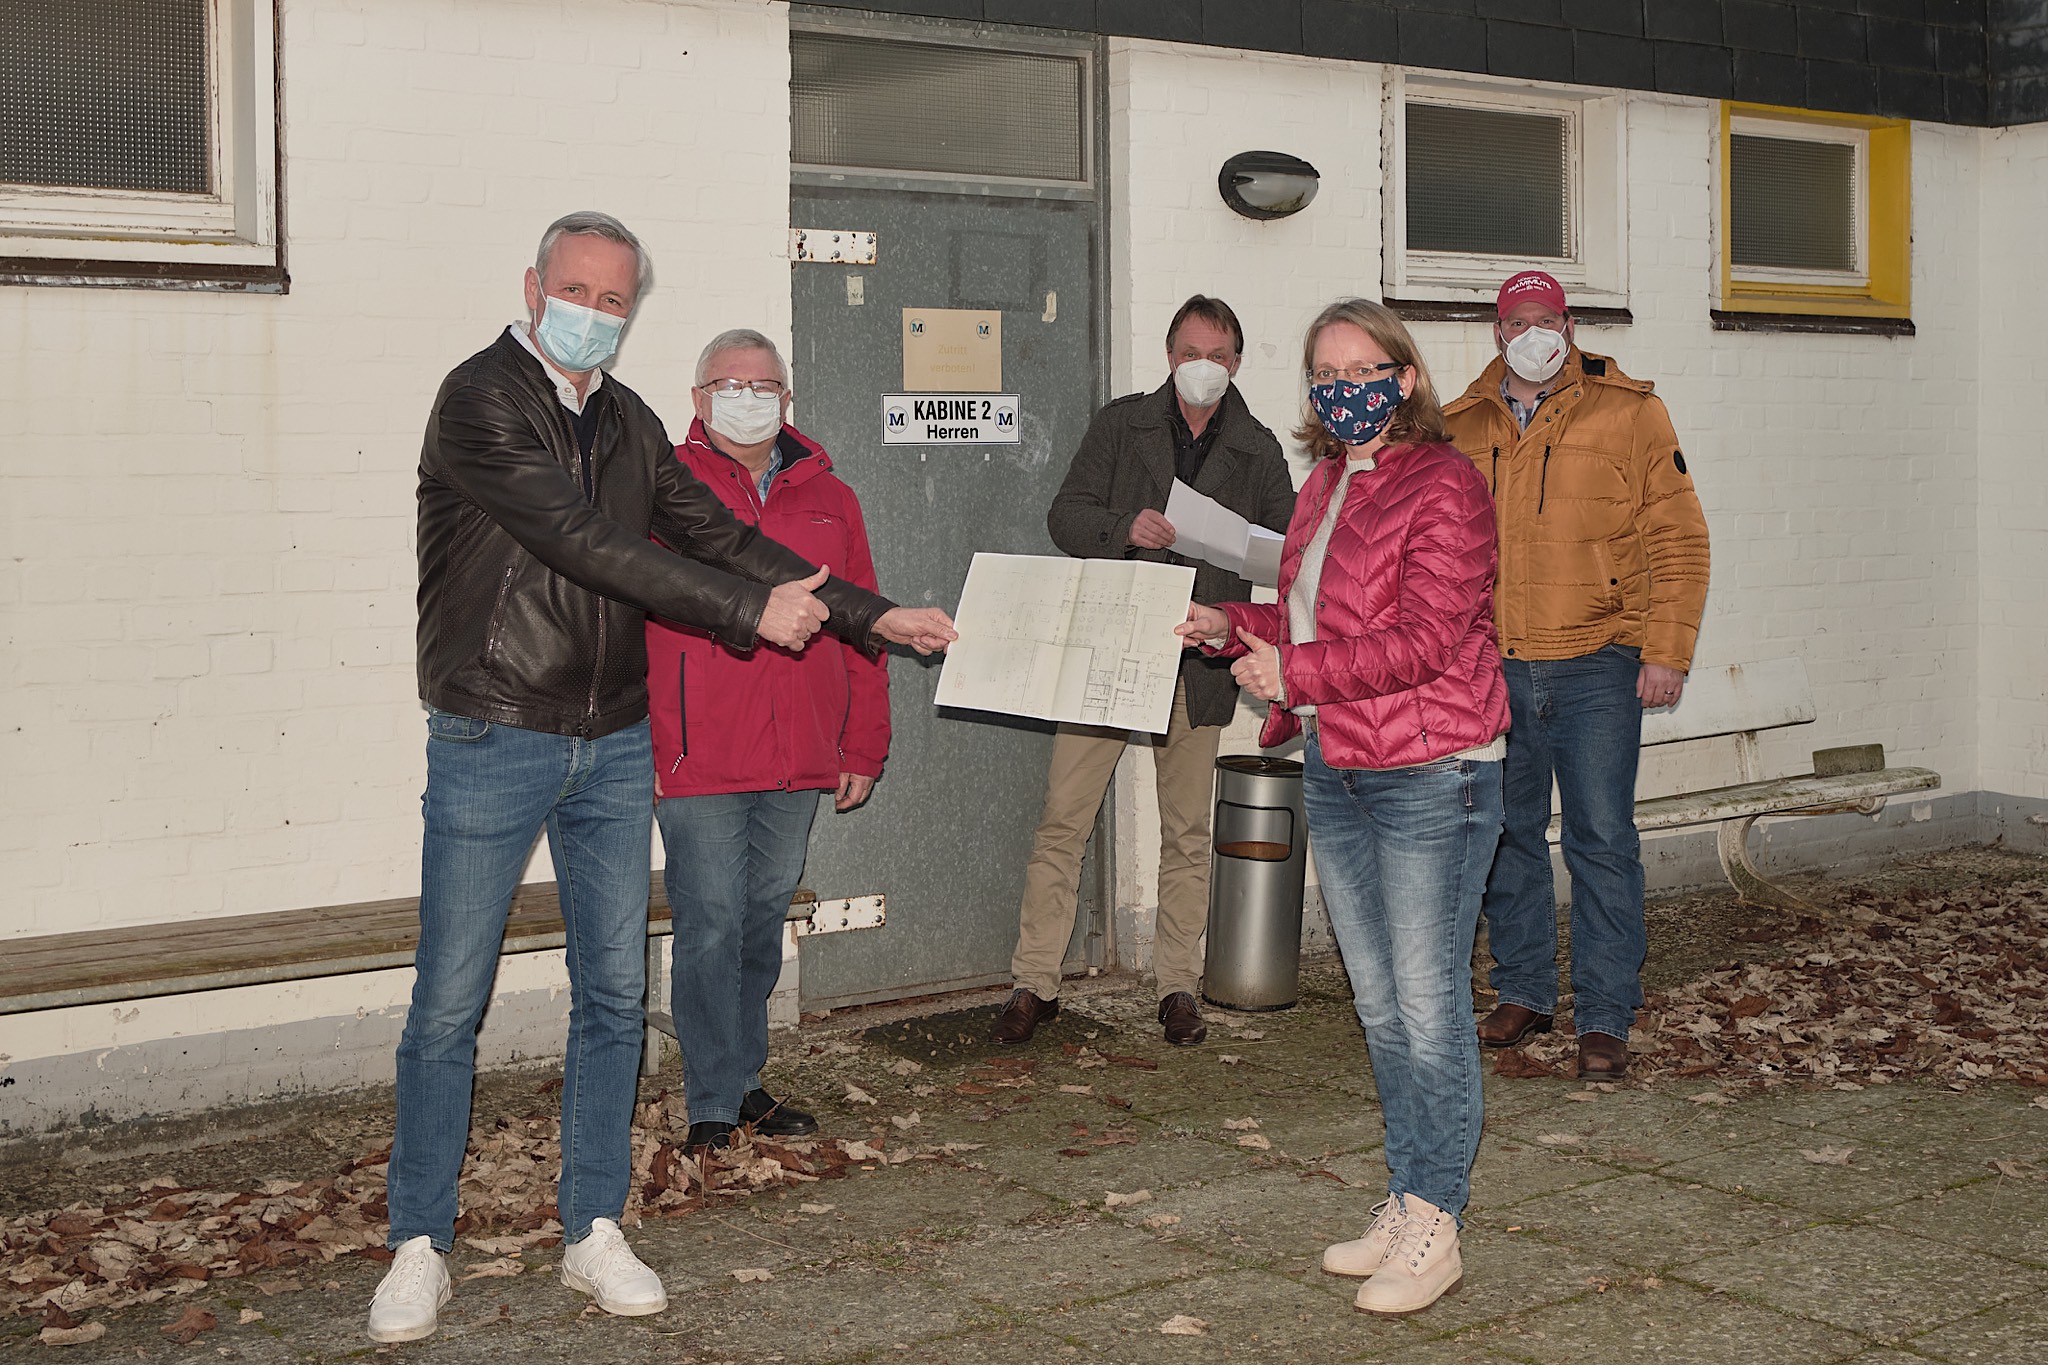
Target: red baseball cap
1531,286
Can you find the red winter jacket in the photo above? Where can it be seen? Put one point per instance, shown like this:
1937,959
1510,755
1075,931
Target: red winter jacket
768,719
1405,667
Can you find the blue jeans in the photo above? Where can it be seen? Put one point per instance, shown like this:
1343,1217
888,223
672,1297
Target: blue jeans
491,789
733,862
1402,858
1580,720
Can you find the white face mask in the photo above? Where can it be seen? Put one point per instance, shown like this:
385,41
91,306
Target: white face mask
1201,383
745,418
1537,354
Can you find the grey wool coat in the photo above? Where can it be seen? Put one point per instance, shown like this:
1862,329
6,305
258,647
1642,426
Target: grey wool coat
1125,465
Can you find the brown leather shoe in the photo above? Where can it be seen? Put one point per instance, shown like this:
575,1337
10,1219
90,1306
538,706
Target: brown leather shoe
1602,1057
1510,1024
1021,1017
1183,1020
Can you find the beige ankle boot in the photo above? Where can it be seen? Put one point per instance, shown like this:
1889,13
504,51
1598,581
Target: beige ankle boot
1362,1256
1422,1265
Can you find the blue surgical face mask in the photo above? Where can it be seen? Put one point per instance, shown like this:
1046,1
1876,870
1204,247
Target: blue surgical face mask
1355,413
574,337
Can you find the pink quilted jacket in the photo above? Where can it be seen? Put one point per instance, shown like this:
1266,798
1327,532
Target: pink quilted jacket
1405,666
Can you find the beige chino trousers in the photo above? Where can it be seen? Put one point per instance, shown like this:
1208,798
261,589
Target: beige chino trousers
1083,761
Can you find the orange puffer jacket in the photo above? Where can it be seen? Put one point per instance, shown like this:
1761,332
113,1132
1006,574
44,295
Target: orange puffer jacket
1602,540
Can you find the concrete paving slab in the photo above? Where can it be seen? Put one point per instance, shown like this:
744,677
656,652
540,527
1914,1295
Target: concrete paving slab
1251,1315
2014,1331
1779,1169
1074,1261
1630,1126
1867,1280
1508,1172
1672,1324
1278,1219
1649,1222
1997,1216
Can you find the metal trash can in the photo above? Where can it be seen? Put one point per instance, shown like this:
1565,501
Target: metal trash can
1257,866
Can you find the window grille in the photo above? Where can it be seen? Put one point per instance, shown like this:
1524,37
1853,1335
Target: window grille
1792,203
1488,182
106,94
887,105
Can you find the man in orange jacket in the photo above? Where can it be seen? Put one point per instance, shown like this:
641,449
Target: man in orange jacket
1603,578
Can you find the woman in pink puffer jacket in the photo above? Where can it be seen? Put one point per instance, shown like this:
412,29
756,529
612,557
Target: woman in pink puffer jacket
1382,652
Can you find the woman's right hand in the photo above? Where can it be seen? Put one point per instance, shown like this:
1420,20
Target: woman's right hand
1205,625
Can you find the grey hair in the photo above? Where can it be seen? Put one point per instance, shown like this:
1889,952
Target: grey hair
591,223
739,339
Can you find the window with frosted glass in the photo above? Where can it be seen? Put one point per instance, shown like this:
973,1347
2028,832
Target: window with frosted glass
1488,181
106,94
1792,204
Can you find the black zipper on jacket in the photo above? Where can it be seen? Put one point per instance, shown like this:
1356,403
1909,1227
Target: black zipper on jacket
589,460
682,714
1543,482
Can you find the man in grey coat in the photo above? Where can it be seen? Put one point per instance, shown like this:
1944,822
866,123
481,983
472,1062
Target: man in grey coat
1195,428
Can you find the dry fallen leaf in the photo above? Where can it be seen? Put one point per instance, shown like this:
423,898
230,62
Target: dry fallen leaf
1240,1125
1181,1325
189,1325
1561,1140
503,1268
1256,1142
1711,1097
1157,1221
857,1150
72,1336
248,1316
1077,1090
815,1208
856,1095
1113,1200
1229,1058
903,1123
903,1066
1828,1156
752,1276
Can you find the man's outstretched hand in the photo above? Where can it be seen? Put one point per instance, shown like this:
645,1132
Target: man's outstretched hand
793,615
925,629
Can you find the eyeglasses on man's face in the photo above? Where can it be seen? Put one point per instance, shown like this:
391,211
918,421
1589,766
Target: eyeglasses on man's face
760,388
1356,374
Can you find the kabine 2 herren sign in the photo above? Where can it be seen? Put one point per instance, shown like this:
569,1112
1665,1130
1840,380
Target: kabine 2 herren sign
949,419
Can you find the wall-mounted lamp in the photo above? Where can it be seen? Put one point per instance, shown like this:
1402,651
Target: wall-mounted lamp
1267,184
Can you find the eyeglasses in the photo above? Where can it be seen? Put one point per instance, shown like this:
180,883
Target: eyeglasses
760,388
1357,374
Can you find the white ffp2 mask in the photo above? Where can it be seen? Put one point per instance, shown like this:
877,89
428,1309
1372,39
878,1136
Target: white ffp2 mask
1537,354
1201,383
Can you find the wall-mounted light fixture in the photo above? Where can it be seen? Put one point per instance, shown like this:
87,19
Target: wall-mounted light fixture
1267,184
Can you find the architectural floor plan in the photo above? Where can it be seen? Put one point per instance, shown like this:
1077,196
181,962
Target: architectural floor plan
1083,640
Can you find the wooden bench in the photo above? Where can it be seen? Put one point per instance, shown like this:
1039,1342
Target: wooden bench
1740,701
52,971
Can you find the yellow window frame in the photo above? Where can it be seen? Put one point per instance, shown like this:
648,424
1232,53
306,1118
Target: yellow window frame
1888,216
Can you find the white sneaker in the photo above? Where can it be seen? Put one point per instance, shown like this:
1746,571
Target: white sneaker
1361,1257
1422,1265
407,1305
604,1267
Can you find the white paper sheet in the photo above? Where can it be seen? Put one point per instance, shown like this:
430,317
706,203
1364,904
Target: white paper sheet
1084,640
1205,529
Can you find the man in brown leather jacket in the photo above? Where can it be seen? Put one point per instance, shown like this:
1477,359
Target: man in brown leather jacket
1603,578
541,479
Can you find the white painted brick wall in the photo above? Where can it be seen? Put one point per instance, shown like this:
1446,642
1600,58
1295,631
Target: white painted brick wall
209,702
2013,460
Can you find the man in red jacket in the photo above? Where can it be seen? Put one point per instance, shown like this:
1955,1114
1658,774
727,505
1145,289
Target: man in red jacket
745,741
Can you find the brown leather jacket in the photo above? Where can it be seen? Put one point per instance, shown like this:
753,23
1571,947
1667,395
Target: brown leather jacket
1602,540
533,598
